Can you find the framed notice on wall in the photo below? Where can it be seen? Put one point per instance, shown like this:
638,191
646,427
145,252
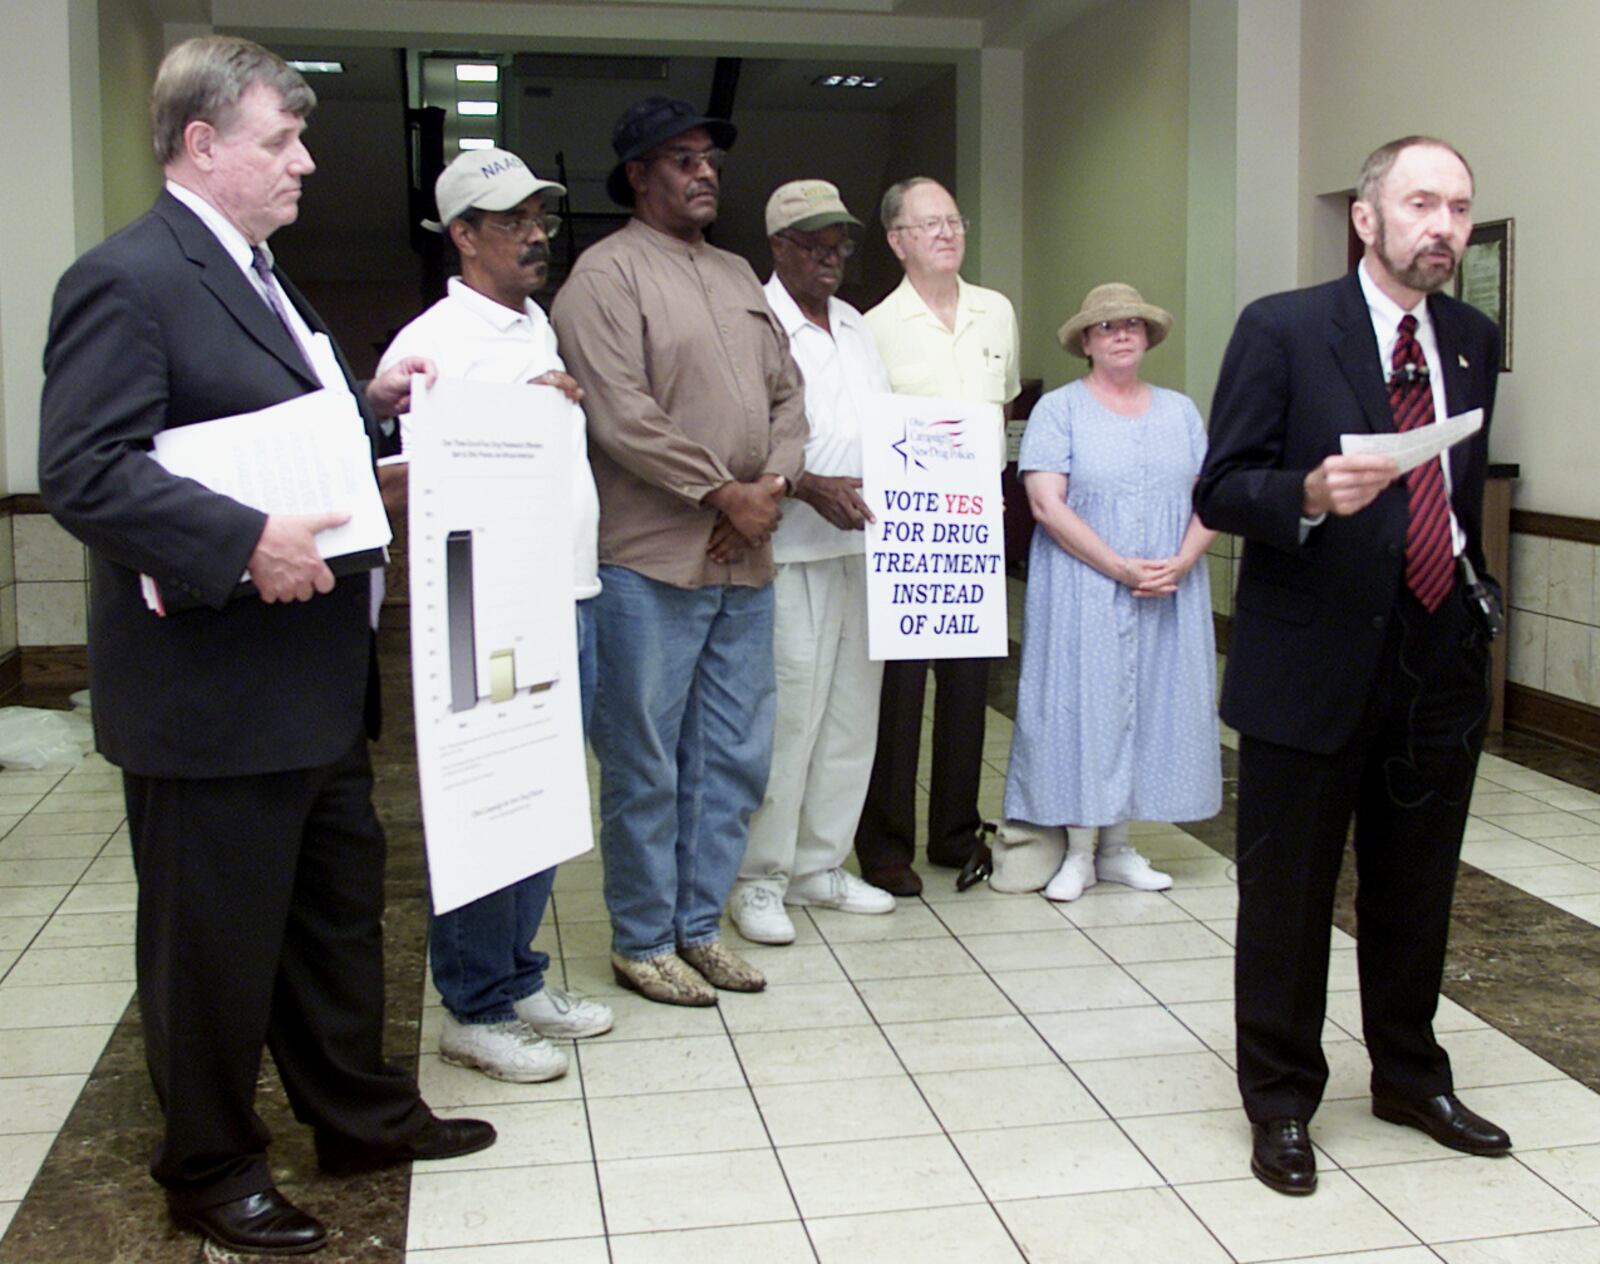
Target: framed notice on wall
1485,277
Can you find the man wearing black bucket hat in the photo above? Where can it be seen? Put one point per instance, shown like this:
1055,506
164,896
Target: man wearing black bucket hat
697,426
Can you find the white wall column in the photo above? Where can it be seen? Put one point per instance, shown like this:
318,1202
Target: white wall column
989,162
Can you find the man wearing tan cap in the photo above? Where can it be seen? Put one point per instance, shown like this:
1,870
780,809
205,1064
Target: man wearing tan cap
827,712
943,337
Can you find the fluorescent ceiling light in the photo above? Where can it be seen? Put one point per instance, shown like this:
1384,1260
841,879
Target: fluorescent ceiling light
484,108
847,81
318,67
475,142
477,72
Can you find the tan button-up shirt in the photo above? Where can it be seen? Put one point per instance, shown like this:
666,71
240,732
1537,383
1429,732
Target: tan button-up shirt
688,385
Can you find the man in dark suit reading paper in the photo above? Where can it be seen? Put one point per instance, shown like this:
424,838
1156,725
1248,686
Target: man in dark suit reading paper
1358,670
240,722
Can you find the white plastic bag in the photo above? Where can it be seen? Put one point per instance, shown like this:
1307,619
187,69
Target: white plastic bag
34,738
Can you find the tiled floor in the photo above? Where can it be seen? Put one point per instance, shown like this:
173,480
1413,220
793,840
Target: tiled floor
976,1077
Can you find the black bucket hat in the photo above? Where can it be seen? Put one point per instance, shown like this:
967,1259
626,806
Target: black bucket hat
645,124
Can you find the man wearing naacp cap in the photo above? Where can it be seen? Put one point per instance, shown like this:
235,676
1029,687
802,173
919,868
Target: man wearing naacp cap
697,424
827,716
238,723
502,1016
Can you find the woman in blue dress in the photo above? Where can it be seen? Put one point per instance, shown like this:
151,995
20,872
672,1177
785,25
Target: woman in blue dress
1116,710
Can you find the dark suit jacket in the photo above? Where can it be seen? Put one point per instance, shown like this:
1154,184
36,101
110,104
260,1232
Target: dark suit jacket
158,327
1309,619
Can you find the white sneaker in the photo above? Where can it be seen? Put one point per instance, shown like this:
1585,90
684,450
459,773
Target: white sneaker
1076,875
502,1051
838,889
562,1016
758,914
1130,869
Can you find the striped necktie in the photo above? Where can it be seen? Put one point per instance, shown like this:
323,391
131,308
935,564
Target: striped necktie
263,269
1430,553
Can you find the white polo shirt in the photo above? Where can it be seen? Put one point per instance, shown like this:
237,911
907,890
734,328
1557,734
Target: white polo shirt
975,361
841,370
469,335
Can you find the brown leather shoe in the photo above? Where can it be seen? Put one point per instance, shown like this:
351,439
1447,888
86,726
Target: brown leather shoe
900,880
666,978
723,968
266,1223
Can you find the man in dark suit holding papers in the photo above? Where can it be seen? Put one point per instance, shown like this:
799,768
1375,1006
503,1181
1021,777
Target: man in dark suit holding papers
1358,670
239,723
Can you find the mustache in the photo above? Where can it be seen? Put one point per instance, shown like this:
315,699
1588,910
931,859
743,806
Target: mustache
697,187
1443,246
538,252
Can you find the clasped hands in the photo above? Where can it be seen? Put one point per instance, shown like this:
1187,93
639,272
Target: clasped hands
1153,576
747,515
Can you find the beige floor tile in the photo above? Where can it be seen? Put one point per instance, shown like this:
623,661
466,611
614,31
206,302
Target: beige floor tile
1071,989
448,1088
7,1211
1035,950
70,799
16,933
1574,1170
859,1177
1462,1197
1116,1033
1008,1097
1205,1145
20,1158
1133,1225
671,1065
570,1251
1573,1246
1584,848
1107,905
1567,798
78,1002
579,877
797,963
966,1043
532,1134
1255,1223
52,1050
938,996
109,897
661,1124
911,919
87,930
28,781
939,885
49,967
1499,854
1561,879
42,873
1202,871
1054,1159
1353,1137
904,958
482,1208
1491,803
1206,902
794,1007
1487,1056
1173,982
1394,1255
576,939
37,1103
929,1235
1160,1086
847,1110
1168,941
31,901
36,823
1584,906
1021,912
1544,1115
8,958
693,1191
1541,825
52,847
779,1242
823,1056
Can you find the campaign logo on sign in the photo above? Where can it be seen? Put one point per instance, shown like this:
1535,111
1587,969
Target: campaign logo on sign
923,440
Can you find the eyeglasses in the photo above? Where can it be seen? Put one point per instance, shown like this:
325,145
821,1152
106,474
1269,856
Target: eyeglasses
688,161
955,225
1132,325
819,251
522,225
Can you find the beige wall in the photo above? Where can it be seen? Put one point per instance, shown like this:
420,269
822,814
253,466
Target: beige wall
1514,88
130,51
1105,185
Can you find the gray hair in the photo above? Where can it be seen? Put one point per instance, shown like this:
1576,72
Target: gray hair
1380,160
203,78
894,199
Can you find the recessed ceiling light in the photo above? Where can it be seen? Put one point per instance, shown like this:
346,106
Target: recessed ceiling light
483,108
317,67
847,81
477,72
475,142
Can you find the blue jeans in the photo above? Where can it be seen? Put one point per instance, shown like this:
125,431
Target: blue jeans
683,732
482,964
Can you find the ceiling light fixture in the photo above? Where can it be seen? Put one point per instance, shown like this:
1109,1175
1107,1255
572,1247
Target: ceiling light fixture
477,72
847,81
317,67
475,142
486,109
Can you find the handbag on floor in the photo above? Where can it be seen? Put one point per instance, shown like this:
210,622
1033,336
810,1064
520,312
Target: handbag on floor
1026,856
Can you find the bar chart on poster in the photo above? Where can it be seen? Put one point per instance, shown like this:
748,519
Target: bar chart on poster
494,650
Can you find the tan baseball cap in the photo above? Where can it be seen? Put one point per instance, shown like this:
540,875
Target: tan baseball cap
488,179
807,205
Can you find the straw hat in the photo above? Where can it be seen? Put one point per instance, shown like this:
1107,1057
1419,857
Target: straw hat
1113,301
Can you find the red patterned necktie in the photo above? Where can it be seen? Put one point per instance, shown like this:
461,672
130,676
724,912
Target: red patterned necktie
1430,555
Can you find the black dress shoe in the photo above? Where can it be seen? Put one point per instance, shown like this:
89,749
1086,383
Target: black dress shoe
437,1139
257,1224
895,879
1446,1120
1281,1156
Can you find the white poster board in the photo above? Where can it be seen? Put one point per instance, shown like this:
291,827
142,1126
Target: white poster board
936,578
494,652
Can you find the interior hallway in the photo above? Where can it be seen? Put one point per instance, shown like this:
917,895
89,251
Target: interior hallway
975,1078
